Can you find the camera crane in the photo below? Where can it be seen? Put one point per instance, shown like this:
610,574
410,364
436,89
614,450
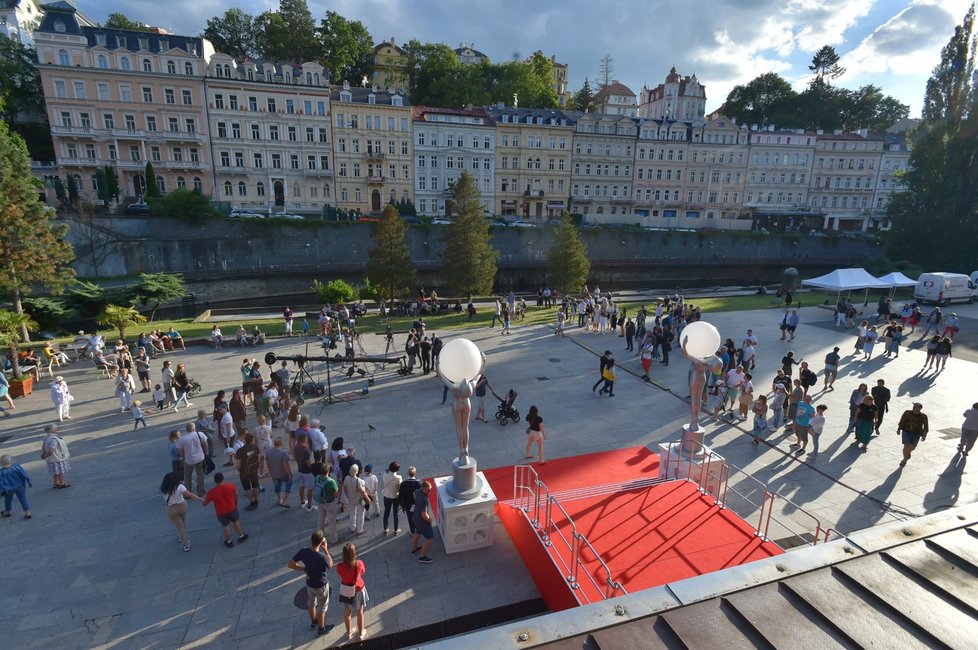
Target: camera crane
295,391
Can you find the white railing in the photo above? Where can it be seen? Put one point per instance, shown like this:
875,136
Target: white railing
559,534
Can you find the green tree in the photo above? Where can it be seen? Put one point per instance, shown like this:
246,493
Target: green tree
468,259
233,33
33,249
120,317
347,48
59,190
112,182
288,34
20,84
568,262
389,264
152,186
118,20
584,98
825,65
12,326
766,99
158,288
73,195
103,186
868,108
186,205
334,292
935,220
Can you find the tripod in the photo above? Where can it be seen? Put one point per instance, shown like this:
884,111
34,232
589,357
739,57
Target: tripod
295,391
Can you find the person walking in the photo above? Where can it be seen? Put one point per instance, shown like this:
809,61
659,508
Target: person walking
931,352
942,352
816,425
646,352
175,495
881,397
865,418
861,336
280,469
807,377
855,399
424,348
353,591
224,496
137,415
54,450
289,317
193,449
951,326
327,491
609,376
315,561
302,455
803,421
535,434
934,322
390,491
760,417
792,323
506,319
969,431
912,428
405,496
788,362
422,523
181,384
497,313
602,362
124,389
831,369
61,397
247,460
14,481
869,343
482,386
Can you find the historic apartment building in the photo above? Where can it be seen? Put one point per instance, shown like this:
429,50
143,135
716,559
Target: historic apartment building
271,135
677,98
601,174
533,162
616,99
122,99
389,68
447,142
846,174
779,173
662,151
715,172
372,136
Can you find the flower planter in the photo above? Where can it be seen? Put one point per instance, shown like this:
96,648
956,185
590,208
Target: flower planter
21,387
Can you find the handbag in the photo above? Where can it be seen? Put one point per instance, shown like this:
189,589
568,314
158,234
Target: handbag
208,465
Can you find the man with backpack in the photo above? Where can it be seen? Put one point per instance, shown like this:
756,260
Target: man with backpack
405,495
326,490
807,376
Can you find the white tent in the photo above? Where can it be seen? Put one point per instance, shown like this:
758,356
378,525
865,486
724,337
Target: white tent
897,279
841,280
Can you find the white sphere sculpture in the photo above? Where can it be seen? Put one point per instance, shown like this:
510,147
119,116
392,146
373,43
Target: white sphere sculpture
460,360
700,340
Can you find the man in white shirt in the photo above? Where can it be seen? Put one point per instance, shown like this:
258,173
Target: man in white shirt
317,441
192,447
749,354
226,430
734,380
750,338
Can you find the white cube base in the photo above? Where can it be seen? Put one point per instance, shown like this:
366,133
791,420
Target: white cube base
465,524
704,468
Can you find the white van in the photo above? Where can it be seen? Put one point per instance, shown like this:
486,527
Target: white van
944,288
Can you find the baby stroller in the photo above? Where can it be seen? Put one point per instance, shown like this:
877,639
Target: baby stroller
506,411
195,388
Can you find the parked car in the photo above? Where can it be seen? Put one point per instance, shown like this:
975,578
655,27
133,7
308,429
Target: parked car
441,221
414,221
944,288
553,222
521,224
285,215
245,214
137,208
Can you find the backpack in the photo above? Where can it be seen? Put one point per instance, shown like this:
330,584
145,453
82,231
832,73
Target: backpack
328,489
808,377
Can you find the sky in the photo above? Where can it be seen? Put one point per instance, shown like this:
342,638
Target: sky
893,44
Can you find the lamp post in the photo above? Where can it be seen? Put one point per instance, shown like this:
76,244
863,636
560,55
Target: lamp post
460,364
699,343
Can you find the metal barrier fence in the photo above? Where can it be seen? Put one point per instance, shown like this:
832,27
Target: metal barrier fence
745,496
558,532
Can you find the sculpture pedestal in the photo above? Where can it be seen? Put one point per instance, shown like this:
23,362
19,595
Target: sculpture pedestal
705,467
466,481
465,524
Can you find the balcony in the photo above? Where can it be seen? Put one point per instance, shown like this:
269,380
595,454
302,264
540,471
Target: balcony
185,136
374,155
620,199
231,169
128,133
43,166
78,162
180,165
318,172
534,193
73,131
375,180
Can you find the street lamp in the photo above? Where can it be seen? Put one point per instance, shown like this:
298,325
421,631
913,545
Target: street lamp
460,364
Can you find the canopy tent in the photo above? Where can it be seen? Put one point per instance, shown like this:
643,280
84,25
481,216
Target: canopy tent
841,280
897,279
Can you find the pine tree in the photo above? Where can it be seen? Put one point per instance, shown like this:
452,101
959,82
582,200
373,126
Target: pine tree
72,189
112,180
935,220
568,263
33,250
152,188
584,98
389,265
59,190
103,186
468,260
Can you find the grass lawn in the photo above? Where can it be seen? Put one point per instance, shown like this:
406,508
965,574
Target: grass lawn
371,324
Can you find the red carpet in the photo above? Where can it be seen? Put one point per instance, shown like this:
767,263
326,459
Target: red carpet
647,537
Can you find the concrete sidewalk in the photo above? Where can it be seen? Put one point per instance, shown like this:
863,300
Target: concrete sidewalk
99,565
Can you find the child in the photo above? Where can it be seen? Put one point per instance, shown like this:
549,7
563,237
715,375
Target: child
608,374
717,396
224,496
137,415
305,327
371,484
263,434
175,460
159,397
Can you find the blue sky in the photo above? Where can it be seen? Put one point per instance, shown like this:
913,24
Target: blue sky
891,43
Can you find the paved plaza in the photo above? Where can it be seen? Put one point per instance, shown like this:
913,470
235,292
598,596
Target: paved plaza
99,564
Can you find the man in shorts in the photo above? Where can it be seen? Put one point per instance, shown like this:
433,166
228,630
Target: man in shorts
225,499
247,460
913,428
803,419
315,562
422,523
831,368
277,460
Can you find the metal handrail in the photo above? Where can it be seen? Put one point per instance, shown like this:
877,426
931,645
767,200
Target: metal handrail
533,498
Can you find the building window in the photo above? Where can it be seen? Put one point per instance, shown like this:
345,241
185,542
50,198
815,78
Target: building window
228,191
171,68
168,96
60,89
242,189
79,87
188,99
63,58
260,189
147,95
124,63
198,184
181,182
188,69
150,122
147,65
